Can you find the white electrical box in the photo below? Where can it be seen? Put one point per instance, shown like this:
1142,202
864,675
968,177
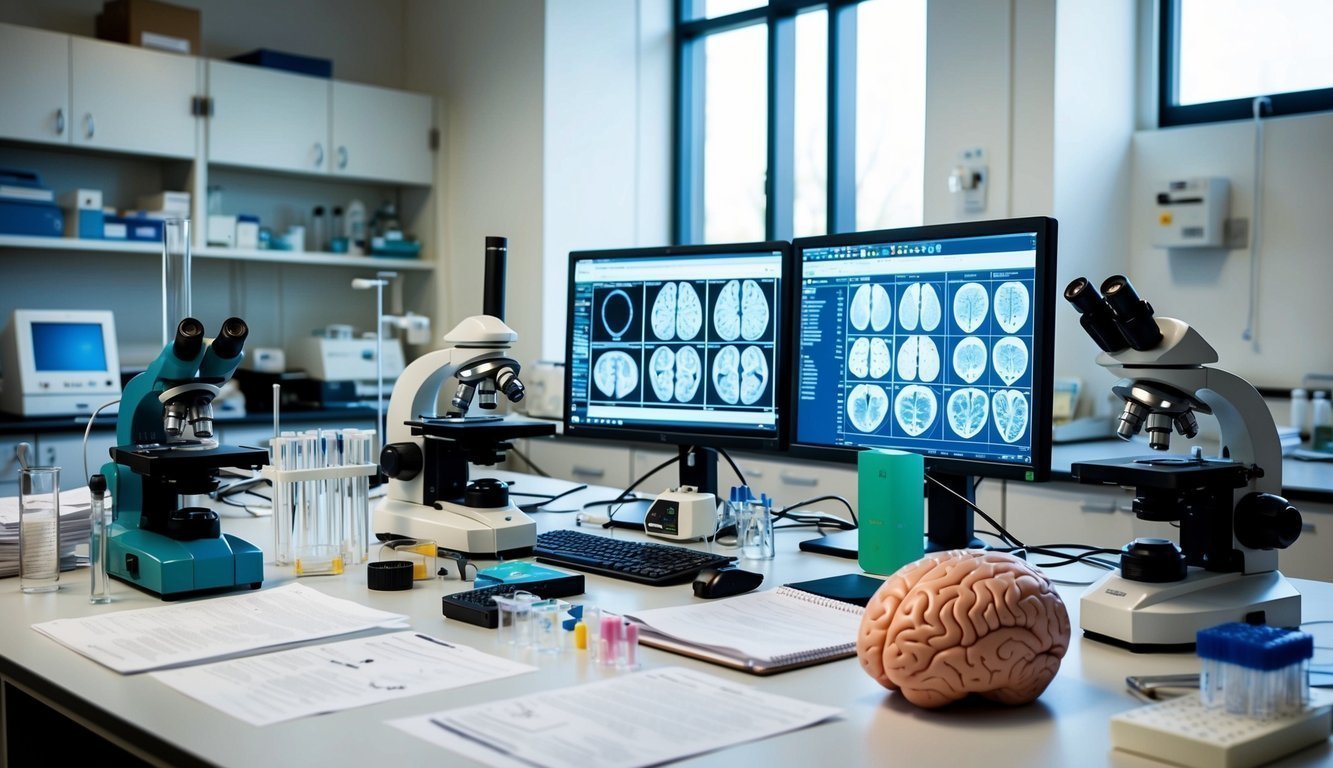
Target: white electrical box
1192,213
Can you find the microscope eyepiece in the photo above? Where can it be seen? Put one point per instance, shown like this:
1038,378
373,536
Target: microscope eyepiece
230,339
189,339
1133,315
1095,316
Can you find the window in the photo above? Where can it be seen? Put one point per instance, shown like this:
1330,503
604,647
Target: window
798,117
1216,56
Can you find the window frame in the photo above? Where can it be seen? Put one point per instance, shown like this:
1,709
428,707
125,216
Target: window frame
1171,114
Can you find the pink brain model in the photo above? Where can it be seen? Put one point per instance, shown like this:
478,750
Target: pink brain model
963,622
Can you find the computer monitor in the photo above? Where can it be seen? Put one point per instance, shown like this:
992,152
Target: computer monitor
936,340
679,345
59,362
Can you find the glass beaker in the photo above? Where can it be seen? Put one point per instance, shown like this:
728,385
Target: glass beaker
754,530
39,529
175,276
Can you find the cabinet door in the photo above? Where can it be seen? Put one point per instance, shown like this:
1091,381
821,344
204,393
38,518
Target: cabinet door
34,94
267,119
132,100
606,465
66,451
382,134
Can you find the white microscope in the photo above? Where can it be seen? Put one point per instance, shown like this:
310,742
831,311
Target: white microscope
426,457
1232,519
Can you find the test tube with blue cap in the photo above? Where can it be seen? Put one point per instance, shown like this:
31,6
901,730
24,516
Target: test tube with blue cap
1254,670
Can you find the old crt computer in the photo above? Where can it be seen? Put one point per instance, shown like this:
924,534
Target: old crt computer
679,345
936,340
59,362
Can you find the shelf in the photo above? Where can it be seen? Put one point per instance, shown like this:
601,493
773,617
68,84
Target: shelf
207,252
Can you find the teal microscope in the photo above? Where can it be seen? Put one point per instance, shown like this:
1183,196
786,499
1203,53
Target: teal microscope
165,450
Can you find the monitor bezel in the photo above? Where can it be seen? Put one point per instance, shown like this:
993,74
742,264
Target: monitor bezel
30,381
1043,341
775,440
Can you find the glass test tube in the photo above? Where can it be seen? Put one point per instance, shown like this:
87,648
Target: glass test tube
39,529
176,278
100,519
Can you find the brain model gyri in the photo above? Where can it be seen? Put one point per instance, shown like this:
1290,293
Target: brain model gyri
964,622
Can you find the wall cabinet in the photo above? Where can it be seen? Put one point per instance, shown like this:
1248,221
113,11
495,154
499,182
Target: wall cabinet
35,106
381,134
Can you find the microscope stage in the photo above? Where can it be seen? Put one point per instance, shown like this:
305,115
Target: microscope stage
1169,472
482,429
166,459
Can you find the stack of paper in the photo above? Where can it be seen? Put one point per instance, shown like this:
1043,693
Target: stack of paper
75,527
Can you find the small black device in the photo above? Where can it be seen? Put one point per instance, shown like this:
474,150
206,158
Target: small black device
839,544
854,588
657,565
725,582
476,606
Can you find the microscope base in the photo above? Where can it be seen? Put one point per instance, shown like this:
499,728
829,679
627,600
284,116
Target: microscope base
491,532
1158,617
174,569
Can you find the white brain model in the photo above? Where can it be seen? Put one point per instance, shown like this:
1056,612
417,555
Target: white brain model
741,311
964,622
677,311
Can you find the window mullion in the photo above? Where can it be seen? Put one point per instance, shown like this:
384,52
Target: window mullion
781,186
842,119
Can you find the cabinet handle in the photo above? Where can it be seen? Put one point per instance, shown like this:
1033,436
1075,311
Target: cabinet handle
319,155
791,479
342,158
89,127
587,471
60,122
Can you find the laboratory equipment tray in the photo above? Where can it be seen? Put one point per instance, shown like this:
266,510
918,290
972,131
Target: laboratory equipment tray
475,606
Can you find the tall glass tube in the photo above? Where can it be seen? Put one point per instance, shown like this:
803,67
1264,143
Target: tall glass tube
175,276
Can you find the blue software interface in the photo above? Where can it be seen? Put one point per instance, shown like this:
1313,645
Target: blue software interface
685,342
924,346
68,347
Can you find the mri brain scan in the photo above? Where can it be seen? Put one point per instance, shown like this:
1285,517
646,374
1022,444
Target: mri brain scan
677,311
1010,358
967,410
915,409
617,313
741,311
970,306
1011,306
919,307
675,374
1010,409
869,358
918,359
961,623
726,374
871,308
615,374
754,375
969,359
867,406
663,367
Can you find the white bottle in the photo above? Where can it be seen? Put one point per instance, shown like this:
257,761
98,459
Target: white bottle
1300,409
1322,432
354,227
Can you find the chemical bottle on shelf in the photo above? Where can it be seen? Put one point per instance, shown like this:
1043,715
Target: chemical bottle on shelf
1322,432
354,227
319,230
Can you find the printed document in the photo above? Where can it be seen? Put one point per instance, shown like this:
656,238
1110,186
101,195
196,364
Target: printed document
638,719
155,638
284,685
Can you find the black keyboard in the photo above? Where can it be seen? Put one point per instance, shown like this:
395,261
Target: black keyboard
655,564
475,606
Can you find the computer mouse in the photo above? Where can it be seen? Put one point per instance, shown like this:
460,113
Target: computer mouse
725,582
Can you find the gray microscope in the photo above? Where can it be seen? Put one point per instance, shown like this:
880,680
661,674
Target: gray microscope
1232,520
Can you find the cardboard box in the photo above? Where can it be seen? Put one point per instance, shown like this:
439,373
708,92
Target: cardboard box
172,203
222,231
151,24
81,200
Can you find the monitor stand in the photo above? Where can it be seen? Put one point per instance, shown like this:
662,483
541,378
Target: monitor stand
696,466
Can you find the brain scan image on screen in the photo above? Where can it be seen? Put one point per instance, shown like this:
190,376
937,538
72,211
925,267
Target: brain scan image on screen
915,408
741,311
970,306
615,374
867,406
689,371
918,359
663,373
1010,359
871,308
858,358
754,375
919,307
726,374
967,410
1012,301
881,359
969,359
1010,408
617,313
677,311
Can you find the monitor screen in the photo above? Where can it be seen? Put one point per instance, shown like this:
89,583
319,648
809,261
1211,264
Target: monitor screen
68,347
934,339
679,345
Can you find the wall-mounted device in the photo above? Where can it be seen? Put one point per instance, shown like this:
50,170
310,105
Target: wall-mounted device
682,514
1191,213
967,181
59,362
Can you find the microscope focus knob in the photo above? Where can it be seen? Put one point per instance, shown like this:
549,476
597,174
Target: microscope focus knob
401,461
1267,521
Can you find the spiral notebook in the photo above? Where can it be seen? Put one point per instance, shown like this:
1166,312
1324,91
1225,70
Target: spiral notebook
759,632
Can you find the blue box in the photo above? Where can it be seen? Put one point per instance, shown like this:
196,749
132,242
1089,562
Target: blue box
290,62
85,224
31,218
136,228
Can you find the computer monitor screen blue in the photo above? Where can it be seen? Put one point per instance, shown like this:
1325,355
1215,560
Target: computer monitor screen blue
934,339
680,345
68,347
